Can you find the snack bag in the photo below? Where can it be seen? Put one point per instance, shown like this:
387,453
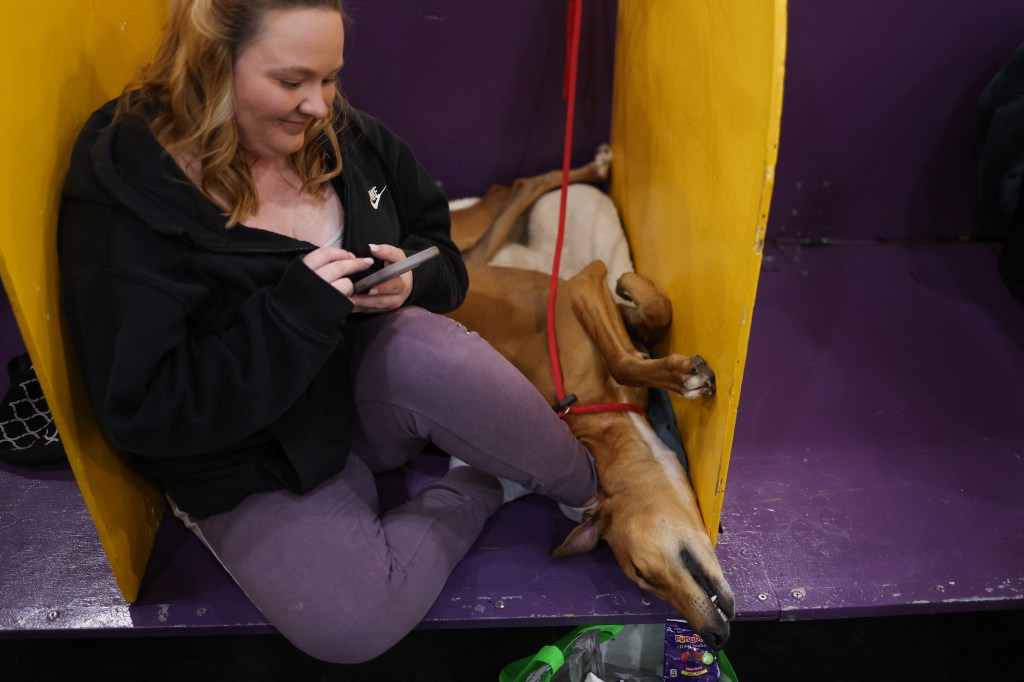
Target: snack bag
686,654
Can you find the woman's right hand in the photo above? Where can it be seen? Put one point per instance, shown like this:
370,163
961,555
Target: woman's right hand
336,266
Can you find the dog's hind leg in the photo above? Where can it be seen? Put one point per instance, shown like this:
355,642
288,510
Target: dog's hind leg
599,315
522,195
470,224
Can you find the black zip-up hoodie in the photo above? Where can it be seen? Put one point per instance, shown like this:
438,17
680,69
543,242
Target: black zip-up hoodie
214,357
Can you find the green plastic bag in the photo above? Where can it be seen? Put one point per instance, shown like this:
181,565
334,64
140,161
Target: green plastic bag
543,664
725,667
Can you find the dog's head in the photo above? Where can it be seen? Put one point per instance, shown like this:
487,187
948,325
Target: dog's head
674,563
652,523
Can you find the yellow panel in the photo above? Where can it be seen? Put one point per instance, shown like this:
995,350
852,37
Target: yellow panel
64,58
695,126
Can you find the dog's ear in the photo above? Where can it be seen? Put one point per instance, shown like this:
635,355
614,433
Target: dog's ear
583,538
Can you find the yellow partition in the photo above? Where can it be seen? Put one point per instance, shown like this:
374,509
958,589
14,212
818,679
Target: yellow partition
695,127
71,56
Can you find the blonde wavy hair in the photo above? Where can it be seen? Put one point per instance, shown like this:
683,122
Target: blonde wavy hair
187,94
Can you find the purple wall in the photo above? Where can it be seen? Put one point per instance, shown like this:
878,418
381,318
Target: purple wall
876,119
879,97
476,87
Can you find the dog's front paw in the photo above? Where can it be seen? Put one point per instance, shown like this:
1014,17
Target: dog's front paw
700,379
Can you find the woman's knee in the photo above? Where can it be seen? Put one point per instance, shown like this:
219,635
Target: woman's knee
357,618
346,640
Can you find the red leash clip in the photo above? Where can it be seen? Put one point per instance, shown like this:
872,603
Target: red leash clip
562,407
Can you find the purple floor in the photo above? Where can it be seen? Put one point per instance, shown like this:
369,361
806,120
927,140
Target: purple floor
877,470
877,467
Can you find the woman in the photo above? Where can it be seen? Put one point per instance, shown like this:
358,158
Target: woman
213,220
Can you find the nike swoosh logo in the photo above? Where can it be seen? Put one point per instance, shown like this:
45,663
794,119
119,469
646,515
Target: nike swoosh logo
375,196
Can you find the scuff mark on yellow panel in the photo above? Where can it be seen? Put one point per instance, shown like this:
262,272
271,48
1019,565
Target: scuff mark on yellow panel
695,127
69,57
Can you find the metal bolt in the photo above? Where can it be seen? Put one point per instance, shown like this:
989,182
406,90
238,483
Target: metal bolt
762,597
797,594
500,603
53,615
646,601
201,611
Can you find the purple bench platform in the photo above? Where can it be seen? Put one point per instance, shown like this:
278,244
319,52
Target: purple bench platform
877,470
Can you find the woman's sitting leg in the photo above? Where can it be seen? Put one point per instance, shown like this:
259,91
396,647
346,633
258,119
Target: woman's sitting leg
339,581
422,377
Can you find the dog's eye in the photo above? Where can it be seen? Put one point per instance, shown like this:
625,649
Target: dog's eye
638,572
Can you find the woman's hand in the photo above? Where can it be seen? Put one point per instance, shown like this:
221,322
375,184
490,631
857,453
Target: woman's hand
386,295
336,267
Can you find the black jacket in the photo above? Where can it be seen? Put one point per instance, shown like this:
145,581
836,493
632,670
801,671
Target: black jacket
214,357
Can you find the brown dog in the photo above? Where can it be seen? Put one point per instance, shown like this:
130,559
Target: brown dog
647,511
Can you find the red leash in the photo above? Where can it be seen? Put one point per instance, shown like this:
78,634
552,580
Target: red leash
569,91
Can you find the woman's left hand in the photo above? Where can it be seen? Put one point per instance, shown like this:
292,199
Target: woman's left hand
387,295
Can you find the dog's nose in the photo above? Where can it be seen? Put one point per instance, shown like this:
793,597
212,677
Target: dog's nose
715,637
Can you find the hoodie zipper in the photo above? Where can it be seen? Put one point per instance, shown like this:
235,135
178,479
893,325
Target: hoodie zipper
220,247
243,250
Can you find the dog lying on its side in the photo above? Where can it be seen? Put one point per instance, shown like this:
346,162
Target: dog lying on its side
647,510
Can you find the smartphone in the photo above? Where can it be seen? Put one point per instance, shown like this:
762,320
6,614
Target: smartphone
396,269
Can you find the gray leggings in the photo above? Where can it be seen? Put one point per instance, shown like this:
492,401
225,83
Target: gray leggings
343,582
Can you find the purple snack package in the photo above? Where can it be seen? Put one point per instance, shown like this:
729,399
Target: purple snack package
686,654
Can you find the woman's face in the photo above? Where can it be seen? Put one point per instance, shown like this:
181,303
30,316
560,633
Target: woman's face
284,78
